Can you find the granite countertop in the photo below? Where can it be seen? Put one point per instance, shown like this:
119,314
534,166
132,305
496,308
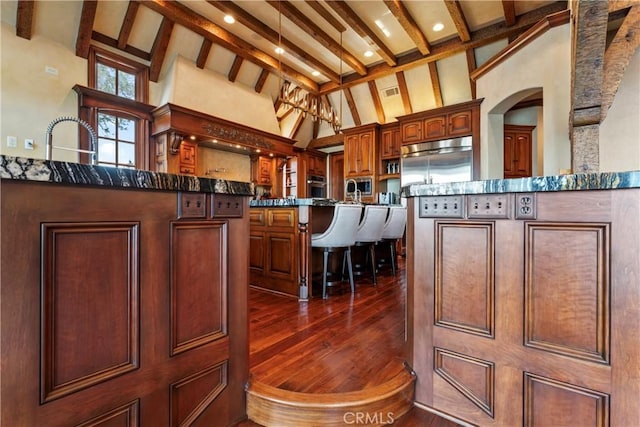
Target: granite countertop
25,169
291,202
574,182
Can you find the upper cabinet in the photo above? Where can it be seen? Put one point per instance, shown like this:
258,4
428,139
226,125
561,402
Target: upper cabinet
390,141
188,158
360,151
444,123
262,171
316,163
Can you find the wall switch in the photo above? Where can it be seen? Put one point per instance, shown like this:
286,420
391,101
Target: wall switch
489,206
441,207
28,144
12,141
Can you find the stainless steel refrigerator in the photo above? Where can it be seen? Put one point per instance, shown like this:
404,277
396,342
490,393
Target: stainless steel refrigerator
449,160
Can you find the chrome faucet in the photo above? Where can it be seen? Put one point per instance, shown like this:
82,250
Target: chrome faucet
357,194
49,138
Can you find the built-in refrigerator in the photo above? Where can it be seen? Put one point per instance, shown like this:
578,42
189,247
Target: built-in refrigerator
449,160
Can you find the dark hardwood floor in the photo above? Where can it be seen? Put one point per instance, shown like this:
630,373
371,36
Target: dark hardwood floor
345,343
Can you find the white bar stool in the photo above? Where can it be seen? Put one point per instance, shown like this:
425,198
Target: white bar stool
369,232
394,230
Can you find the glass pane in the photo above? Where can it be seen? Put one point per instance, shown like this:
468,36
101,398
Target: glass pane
126,85
106,125
127,130
106,79
106,150
126,153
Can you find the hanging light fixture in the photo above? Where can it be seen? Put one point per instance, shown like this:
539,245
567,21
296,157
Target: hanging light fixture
302,101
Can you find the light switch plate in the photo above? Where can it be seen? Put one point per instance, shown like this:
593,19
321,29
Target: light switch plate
12,141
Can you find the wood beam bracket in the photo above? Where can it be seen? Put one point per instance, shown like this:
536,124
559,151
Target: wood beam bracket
175,139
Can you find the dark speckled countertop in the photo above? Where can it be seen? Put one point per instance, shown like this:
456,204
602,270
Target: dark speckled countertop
20,168
288,202
574,182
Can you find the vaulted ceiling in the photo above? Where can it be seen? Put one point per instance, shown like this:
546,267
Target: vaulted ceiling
410,67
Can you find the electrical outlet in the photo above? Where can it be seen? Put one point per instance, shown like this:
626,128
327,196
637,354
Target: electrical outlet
191,205
442,206
28,144
12,141
489,206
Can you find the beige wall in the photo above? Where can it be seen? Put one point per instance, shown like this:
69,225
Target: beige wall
544,64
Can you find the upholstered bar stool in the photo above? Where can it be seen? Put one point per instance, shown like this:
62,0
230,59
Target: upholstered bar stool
338,237
394,230
369,232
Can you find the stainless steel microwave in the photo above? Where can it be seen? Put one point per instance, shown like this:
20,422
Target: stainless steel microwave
364,184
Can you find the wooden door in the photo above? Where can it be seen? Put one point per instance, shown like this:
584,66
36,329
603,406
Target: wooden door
336,175
367,153
518,151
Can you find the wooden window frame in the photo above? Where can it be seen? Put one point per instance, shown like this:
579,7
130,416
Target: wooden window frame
102,56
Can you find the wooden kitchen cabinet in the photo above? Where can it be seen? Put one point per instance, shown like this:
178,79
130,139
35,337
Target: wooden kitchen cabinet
441,123
262,171
316,163
517,151
390,141
360,151
188,158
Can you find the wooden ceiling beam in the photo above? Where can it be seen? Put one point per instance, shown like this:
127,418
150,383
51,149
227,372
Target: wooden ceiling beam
127,24
406,21
509,9
206,28
85,29
324,13
305,24
235,69
360,27
471,66
457,15
375,96
296,125
159,49
327,141
448,48
262,79
435,84
617,57
108,41
203,54
24,18
258,27
352,107
404,92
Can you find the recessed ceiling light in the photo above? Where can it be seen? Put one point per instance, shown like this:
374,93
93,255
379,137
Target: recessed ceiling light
439,26
279,50
368,54
315,73
229,19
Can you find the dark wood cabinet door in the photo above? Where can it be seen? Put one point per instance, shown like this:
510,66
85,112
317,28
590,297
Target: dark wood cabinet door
517,151
336,179
412,131
188,158
459,123
264,170
367,153
435,127
352,155
390,144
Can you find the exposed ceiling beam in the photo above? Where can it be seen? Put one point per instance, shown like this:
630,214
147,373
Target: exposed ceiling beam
352,107
320,10
203,55
294,15
235,69
159,49
108,41
327,141
448,48
375,96
471,66
617,57
262,79
296,126
24,19
404,92
509,9
404,18
127,24
361,28
206,28
267,33
86,27
457,15
590,18
435,84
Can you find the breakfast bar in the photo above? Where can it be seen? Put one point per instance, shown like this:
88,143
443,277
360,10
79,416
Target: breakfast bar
523,299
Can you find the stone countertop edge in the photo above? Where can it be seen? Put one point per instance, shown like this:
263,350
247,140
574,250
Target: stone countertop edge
291,202
25,169
574,182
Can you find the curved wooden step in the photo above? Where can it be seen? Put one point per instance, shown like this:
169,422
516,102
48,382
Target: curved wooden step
377,405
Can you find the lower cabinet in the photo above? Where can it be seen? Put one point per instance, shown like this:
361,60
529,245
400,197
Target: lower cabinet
527,315
119,308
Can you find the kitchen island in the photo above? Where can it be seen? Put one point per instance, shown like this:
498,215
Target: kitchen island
123,296
523,300
280,258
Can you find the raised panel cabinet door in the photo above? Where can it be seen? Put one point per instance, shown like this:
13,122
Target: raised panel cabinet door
509,154
412,131
517,151
188,153
395,143
523,154
459,123
264,170
387,144
435,127
351,155
367,153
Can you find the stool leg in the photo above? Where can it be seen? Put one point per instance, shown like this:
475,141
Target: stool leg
350,268
393,256
372,252
325,261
